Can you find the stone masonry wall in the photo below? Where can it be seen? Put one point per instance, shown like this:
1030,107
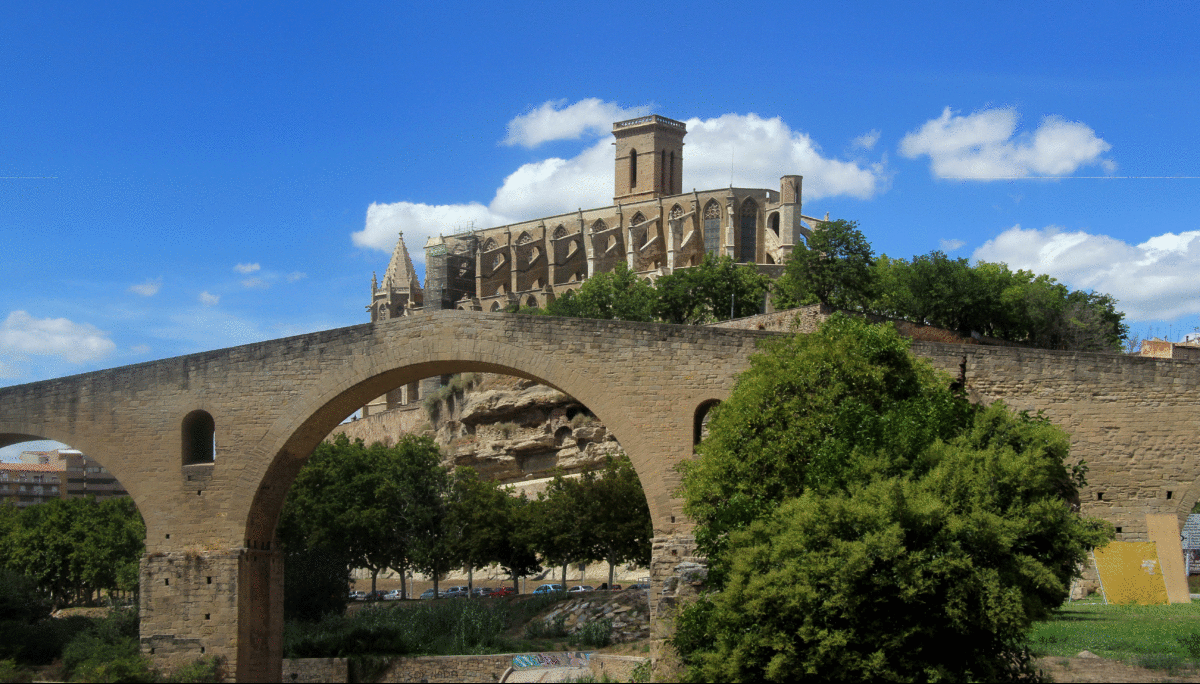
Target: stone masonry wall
478,668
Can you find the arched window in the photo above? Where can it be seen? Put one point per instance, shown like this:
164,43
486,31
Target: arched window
599,226
632,168
773,223
700,421
495,306
671,176
531,302
663,173
712,227
489,245
524,239
637,218
199,438
749,233
676,212
560,232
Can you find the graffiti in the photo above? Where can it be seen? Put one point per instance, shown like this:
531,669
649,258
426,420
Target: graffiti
529,661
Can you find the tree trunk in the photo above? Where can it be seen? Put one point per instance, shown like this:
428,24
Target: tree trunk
516,584
611,565
403,581
374,575
470,581
564,583
435,583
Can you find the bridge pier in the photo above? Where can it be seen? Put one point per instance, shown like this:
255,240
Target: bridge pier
200,603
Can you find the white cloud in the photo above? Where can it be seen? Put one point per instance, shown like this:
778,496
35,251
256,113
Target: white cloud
763,149
1158,279
209,299
982,146
246,268
867,140
553,121
22,334
948,246
148,288
296,275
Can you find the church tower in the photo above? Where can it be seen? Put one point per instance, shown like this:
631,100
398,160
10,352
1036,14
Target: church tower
649,158
400,289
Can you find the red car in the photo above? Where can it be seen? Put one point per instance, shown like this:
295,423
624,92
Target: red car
503,591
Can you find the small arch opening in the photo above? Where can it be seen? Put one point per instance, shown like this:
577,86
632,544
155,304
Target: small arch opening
199,438
702,417
632,168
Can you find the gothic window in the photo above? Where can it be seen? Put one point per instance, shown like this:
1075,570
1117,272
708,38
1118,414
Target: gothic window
663,173
599,226
497,262
199,438
637,218
632,169
671,176
534,254
676,212
560,232
773,223
524,239
532,302
572,247
489,245
712,227
495,306
749,225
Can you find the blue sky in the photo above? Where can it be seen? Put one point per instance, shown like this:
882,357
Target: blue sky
190,176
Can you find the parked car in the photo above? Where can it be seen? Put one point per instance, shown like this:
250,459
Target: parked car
548,589
482,592
377,595
503,591
358,595
641,586
580,588
393,595
428,594
460,591
604,587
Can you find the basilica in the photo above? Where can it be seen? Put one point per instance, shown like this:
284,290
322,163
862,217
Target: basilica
652,226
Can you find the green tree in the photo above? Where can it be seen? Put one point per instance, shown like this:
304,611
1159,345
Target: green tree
476,521
835,269
373,507
618,295
517,555
616,512
864,521
560,534
706,292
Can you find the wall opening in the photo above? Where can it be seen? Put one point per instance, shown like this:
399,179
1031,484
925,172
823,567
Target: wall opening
700,421
632,169
199,438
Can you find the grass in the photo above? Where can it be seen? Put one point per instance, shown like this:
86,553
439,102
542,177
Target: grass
1157,637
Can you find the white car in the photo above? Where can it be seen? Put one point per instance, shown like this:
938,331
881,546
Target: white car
580,588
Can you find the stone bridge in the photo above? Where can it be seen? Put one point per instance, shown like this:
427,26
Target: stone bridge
208,444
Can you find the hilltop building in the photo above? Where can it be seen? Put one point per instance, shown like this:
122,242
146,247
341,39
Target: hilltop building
54,474
653,226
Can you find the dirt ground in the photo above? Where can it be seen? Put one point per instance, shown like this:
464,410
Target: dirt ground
1103,670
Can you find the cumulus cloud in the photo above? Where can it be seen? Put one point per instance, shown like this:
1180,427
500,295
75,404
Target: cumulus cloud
985,146
948,246
867,140
148,288
762,151
554,121
246,268
1158,279
209,299
22,334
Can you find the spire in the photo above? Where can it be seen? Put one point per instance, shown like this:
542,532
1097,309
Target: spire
400,273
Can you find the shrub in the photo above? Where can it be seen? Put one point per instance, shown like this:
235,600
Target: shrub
1191,644
543,629
506,429
200,670
596,633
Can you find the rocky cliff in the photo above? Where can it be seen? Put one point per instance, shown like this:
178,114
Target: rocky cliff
508,429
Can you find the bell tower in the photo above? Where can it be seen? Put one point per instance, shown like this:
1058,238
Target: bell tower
649,158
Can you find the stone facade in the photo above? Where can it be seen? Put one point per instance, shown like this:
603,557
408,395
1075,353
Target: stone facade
480,668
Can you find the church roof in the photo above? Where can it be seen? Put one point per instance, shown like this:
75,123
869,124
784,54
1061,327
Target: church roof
400,273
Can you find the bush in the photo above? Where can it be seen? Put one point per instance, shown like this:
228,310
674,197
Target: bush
42,642
20,599
1191,644
542,629
109,651
200,670
597,633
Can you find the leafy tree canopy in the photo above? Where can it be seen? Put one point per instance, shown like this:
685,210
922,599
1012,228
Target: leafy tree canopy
835,269
619,294
864,521
707,292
